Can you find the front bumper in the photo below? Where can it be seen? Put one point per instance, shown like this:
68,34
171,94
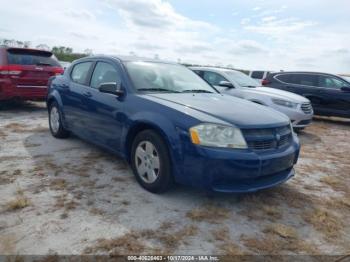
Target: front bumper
238,171
298,118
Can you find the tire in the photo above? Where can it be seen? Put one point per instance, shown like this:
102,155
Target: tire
55,122
148,149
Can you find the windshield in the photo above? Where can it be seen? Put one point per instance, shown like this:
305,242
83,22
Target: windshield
242,79
161,77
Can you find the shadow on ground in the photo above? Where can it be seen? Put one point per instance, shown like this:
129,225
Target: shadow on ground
21,106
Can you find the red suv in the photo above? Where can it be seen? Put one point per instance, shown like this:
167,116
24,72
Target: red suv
24,73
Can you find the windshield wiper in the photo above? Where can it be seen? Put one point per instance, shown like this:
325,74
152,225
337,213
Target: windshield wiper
157,89
197,91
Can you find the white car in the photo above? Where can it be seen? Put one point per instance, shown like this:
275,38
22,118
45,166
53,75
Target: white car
238,84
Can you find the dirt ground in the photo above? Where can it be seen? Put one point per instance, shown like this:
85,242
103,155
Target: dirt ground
69,197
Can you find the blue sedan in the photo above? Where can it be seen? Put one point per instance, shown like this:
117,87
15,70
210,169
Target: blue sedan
171,126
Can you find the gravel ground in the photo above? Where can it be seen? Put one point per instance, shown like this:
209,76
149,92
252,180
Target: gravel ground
69,197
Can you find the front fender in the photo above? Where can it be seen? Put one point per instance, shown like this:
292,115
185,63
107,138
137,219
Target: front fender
166,128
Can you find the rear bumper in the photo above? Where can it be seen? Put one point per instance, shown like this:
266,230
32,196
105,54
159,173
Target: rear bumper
9,92
239,171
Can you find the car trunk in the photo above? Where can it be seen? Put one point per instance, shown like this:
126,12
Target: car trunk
31,68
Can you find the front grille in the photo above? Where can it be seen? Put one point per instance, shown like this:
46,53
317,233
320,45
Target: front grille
268,138
307,108
262,145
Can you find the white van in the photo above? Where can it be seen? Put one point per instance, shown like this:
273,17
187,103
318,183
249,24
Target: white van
259,75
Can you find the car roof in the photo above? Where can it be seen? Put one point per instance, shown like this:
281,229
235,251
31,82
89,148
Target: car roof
128,59
25,49
300,72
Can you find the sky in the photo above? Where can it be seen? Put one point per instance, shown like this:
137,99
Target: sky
311,35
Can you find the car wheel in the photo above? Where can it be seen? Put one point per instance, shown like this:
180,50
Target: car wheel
150,162
55,122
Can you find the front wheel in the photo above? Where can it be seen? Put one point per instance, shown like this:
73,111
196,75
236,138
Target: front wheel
55,122
150,162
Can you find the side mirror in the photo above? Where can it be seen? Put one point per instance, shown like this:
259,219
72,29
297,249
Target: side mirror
226,84
110,88
345,88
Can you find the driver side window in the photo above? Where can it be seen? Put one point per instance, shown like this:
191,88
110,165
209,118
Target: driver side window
104,73
213,78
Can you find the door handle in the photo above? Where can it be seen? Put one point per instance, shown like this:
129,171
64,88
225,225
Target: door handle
87,94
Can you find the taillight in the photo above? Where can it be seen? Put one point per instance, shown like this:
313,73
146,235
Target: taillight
265,82
58,71
10,70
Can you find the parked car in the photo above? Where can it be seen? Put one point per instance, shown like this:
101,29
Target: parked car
170,125
24,73
238,84
329,94
258,75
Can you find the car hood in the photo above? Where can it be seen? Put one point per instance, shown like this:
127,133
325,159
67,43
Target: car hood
276,93
226,108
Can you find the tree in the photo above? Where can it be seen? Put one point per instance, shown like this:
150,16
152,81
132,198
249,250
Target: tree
88,52
43,47
64,53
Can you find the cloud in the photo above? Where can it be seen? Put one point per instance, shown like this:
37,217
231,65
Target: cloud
83,36
273,37
272,11
194,48
341,51
268,18
79,14
155,14
247,47
245,21
257,8
277,28
144,45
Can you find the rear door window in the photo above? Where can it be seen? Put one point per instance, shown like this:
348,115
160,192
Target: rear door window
307,80
258,74
80,72
31,57
104,73
284,78
298,79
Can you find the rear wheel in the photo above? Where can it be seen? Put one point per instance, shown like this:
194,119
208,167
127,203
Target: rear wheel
55,122
150,162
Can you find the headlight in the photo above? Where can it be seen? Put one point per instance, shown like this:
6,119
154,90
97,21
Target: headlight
217,136
281,102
